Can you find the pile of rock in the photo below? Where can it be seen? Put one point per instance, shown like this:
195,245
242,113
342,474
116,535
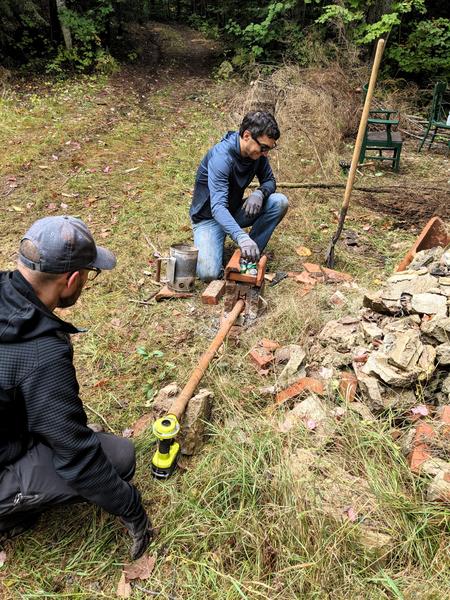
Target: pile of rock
398,349
393,355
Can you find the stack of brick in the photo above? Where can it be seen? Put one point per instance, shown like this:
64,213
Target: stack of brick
427,440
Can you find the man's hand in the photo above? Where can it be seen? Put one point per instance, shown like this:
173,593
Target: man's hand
141,532
253,204
249,248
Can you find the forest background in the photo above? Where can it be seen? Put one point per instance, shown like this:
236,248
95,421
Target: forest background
60,36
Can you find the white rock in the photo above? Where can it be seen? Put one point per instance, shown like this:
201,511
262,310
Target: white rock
443,354
429,304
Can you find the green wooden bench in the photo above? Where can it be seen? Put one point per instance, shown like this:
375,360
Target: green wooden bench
380,138
437,118
386,143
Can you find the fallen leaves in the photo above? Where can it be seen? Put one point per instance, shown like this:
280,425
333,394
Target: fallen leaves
303,251
139,569
2,558
123,587
142,424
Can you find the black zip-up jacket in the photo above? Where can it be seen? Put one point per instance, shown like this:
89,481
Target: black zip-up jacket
39,399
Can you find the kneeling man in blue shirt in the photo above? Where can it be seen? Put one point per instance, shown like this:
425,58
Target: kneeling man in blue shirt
218,207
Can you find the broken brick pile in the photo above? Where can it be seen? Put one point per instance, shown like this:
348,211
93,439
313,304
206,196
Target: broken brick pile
393,356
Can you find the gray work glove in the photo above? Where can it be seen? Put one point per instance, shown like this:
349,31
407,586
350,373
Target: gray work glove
141,533
249,248
252,206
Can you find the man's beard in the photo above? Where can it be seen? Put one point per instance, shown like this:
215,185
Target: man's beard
70,300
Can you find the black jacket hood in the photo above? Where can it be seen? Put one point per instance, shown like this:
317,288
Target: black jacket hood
22,315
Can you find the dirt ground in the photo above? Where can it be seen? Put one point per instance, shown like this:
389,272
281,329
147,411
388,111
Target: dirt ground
407,208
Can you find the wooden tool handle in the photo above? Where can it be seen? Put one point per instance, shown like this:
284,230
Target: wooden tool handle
178,406
362,124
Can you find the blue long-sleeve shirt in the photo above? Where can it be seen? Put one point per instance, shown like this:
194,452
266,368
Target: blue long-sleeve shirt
222,177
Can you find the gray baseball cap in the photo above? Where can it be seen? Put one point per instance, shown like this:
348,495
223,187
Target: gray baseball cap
63,244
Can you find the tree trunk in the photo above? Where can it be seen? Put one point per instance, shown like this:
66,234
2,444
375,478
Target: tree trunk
61,5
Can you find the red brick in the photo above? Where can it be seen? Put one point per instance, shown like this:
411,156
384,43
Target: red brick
261,357
213,292
305,277
421,451
304,384
269,345
424,434
335,276
417,457
304,290
314,270
347,386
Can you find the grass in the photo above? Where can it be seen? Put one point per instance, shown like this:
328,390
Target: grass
247,519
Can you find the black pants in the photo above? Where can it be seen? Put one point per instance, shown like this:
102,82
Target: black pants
31,485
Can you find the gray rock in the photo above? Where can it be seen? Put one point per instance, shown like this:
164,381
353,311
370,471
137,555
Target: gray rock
283,355
363,411
376,541
164,399
434,466
198,413
443,354
371,331
402,399
427,362
429,304
312,408
296,357
374,301
417,283
424,258
329,357
437,328
403,349
439,489
401,324
343,335
378,365
371,390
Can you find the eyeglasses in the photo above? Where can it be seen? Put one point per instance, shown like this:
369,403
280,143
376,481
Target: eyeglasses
93,272
264,147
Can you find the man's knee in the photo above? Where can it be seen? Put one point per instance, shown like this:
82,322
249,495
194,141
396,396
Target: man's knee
278,203
121,453
207,270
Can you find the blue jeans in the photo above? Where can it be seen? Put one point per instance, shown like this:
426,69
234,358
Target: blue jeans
209,235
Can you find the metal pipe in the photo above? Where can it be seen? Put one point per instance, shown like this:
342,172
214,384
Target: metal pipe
179,405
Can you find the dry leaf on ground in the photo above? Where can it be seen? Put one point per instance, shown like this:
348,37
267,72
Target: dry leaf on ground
142,424
2,558
140,569
303,251
123,587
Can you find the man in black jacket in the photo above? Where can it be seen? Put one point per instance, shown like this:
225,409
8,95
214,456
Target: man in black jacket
48,455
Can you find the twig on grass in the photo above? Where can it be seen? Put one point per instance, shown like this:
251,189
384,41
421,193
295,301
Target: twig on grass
144,301
151,592
99,416
152,245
